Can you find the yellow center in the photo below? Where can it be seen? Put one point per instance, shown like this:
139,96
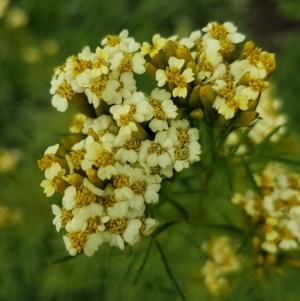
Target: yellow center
105,158
133,143
46,161
156,148
84,197
77,156
120,181
80,65
108,201
78,240
98,87
65,217
158,110
65,90
126,64
139,187
117,226
112,41
254,56
172,73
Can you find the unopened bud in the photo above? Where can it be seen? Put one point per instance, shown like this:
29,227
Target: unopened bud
193,66
197,114
194,100
151,70
158,61
244,80
61,185
247,48
170,48
207,96
80,102
244,118
74,179
92,175
92,133
184,53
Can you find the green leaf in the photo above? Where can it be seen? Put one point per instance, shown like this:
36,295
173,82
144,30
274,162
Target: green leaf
242,139
226,162
163,228
250,176
225,227
284,161
64,259
180,209
170,272
107,257
267,138
143,263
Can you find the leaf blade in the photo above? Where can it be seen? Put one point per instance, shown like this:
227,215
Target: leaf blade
170,272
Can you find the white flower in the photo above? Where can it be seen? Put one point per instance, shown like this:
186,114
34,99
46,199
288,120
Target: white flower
173,75
132,232
102,157
78,68
210,66
128,148
221,34
89,243
101,89
126,61
164,109
134,109
62,217
190,41
100,66
186,148
62,92
69,199
150,225
158,44
127,85
225,103
49,184
156,152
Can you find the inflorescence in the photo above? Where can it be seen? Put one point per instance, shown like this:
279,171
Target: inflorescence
126,141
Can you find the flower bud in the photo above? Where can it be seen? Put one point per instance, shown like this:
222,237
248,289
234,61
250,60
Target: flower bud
193,66
244,80
92,175
197,114
248,47
158,61
74,179
194,100
170,48
61,185
244,118
184,53
151,70
80,102
207,96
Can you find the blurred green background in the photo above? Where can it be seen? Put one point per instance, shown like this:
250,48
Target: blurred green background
35,37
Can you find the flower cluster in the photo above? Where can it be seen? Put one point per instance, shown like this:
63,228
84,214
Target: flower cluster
221,263
125,143
201,70
275,211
